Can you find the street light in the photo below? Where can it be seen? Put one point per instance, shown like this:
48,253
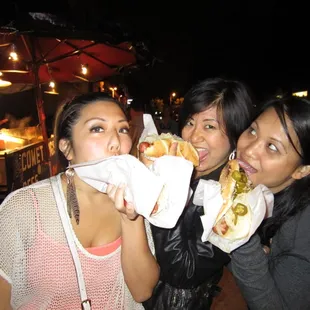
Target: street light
113,89
172,96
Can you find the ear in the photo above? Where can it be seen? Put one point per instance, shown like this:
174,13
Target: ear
65,148
301,172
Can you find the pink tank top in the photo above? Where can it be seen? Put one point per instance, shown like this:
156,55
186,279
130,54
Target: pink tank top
52,280
105,249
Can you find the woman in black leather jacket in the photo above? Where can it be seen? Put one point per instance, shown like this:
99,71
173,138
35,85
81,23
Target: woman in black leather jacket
213,115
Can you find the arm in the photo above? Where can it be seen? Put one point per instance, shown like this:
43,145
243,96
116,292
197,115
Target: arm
185,260
249,265
140,268
281,283
5,295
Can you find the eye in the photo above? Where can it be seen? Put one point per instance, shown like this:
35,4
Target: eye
124,130
252,131
96,129
272,147
189,122
208,126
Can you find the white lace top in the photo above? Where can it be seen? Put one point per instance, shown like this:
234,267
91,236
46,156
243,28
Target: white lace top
35,258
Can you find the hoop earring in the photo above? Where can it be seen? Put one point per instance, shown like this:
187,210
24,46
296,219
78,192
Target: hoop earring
72,202
232,155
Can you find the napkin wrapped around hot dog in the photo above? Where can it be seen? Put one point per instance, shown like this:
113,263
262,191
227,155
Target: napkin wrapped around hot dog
233,209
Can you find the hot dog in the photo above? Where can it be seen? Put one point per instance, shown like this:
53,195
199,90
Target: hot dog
234,219
154,146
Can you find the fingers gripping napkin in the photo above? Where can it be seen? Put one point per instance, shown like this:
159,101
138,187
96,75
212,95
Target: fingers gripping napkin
154,146
233,209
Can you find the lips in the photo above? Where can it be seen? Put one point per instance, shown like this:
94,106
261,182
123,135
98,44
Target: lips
246,167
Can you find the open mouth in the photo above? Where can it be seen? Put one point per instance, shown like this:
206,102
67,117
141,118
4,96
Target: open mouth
203,154
248,169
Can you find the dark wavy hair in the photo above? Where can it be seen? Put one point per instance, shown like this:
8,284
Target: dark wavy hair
294,198
232,98
68,114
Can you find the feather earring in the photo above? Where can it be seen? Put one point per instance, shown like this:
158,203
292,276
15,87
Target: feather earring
72,202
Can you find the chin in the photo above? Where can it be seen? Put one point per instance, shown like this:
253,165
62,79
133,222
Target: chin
201,168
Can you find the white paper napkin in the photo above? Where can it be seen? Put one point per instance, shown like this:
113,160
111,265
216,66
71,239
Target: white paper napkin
143,186
176,173
208,194
169,177
149,127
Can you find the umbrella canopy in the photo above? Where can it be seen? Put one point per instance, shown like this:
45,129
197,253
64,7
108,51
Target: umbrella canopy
58,54
61,60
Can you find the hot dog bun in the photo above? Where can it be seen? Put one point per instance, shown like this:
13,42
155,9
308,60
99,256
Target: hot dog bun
155,146
234,219
227,186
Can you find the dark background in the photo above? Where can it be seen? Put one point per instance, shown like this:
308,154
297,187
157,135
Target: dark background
263,43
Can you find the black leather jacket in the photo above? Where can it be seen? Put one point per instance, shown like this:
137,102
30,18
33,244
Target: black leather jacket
190,268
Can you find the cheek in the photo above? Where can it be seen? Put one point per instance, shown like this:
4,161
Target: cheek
241,142
242,145
93,152
126,145
220,144
272,173
185,133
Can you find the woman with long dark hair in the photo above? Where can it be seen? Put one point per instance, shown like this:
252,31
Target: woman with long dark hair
273,268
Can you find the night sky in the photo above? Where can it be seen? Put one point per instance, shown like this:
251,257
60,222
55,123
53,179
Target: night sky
262,43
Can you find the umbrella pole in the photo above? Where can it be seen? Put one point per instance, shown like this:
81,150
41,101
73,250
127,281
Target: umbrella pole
38,97
41,113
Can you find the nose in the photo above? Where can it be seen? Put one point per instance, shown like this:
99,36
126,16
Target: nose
253,149
114,143
195,135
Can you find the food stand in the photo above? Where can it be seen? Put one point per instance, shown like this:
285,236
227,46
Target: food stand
23,158
44,52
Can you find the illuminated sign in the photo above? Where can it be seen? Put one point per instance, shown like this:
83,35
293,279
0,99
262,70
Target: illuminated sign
301,93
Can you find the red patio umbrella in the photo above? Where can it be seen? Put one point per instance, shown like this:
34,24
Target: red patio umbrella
60,59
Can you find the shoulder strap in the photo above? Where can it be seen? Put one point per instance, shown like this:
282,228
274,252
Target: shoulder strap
57,190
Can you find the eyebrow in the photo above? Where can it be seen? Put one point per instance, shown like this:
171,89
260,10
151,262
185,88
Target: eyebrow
104,120
207,120
210,119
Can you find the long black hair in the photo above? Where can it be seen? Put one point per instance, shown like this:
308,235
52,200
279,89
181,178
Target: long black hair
294,198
